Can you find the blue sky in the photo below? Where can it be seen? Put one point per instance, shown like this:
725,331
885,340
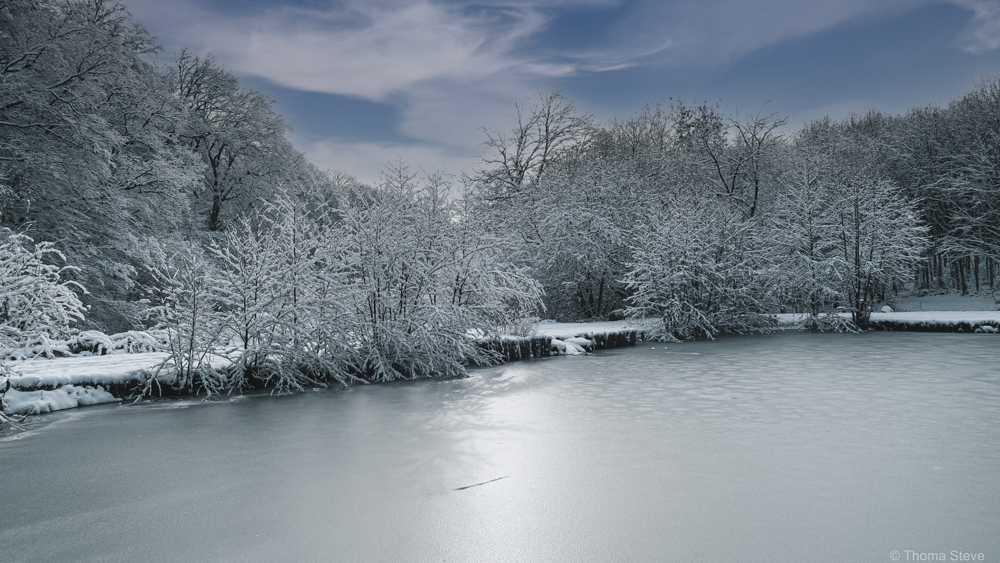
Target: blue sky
363,83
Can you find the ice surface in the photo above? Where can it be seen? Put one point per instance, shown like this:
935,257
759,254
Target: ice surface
813,448
939,317
928,317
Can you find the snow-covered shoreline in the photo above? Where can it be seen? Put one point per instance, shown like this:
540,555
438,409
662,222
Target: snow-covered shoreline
43,385
932,321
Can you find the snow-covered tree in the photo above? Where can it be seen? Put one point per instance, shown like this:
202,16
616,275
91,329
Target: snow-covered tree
35,300
280,294
86,154
744,167
185,308
579,250
420,282
541,135
880,240
237,135
696,270
802,229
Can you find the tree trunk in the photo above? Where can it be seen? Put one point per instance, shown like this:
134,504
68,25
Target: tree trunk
975,271
213,217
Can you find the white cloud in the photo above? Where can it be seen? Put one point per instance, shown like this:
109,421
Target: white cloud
450,67
364,49
372,49
720,31
984,32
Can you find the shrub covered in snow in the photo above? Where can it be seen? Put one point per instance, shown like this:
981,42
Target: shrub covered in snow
4,387
281,299
136,341
40,345
35,301
184,311
698,271
390,285
422,274
92,342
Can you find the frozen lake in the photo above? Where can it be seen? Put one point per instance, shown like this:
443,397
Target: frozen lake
788,447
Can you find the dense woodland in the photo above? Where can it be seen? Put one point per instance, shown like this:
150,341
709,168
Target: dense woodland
146,195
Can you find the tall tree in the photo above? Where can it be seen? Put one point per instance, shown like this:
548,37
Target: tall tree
881,241
238,136
87,156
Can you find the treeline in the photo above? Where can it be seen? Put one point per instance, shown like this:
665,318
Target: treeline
141,195
711,221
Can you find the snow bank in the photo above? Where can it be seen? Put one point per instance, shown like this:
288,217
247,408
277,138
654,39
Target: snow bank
564,331
567,347
915,318
940,317
585,344
40,373
86,343
65,397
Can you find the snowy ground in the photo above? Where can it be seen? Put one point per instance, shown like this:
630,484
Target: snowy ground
919,317
65,397
44,385
563,331
949,302
42,373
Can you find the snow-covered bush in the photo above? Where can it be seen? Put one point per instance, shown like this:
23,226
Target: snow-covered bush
92,342
185,311
135,342
422,276
880,239
40,346
394,285
281,299
35,301
697,271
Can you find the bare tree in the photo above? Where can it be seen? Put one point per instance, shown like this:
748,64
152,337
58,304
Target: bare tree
744,165
540,135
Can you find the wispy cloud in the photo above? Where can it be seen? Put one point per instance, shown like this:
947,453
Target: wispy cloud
983,33
370,50
720,31
377,49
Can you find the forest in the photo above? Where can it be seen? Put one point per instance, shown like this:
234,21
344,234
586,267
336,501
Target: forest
140,197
